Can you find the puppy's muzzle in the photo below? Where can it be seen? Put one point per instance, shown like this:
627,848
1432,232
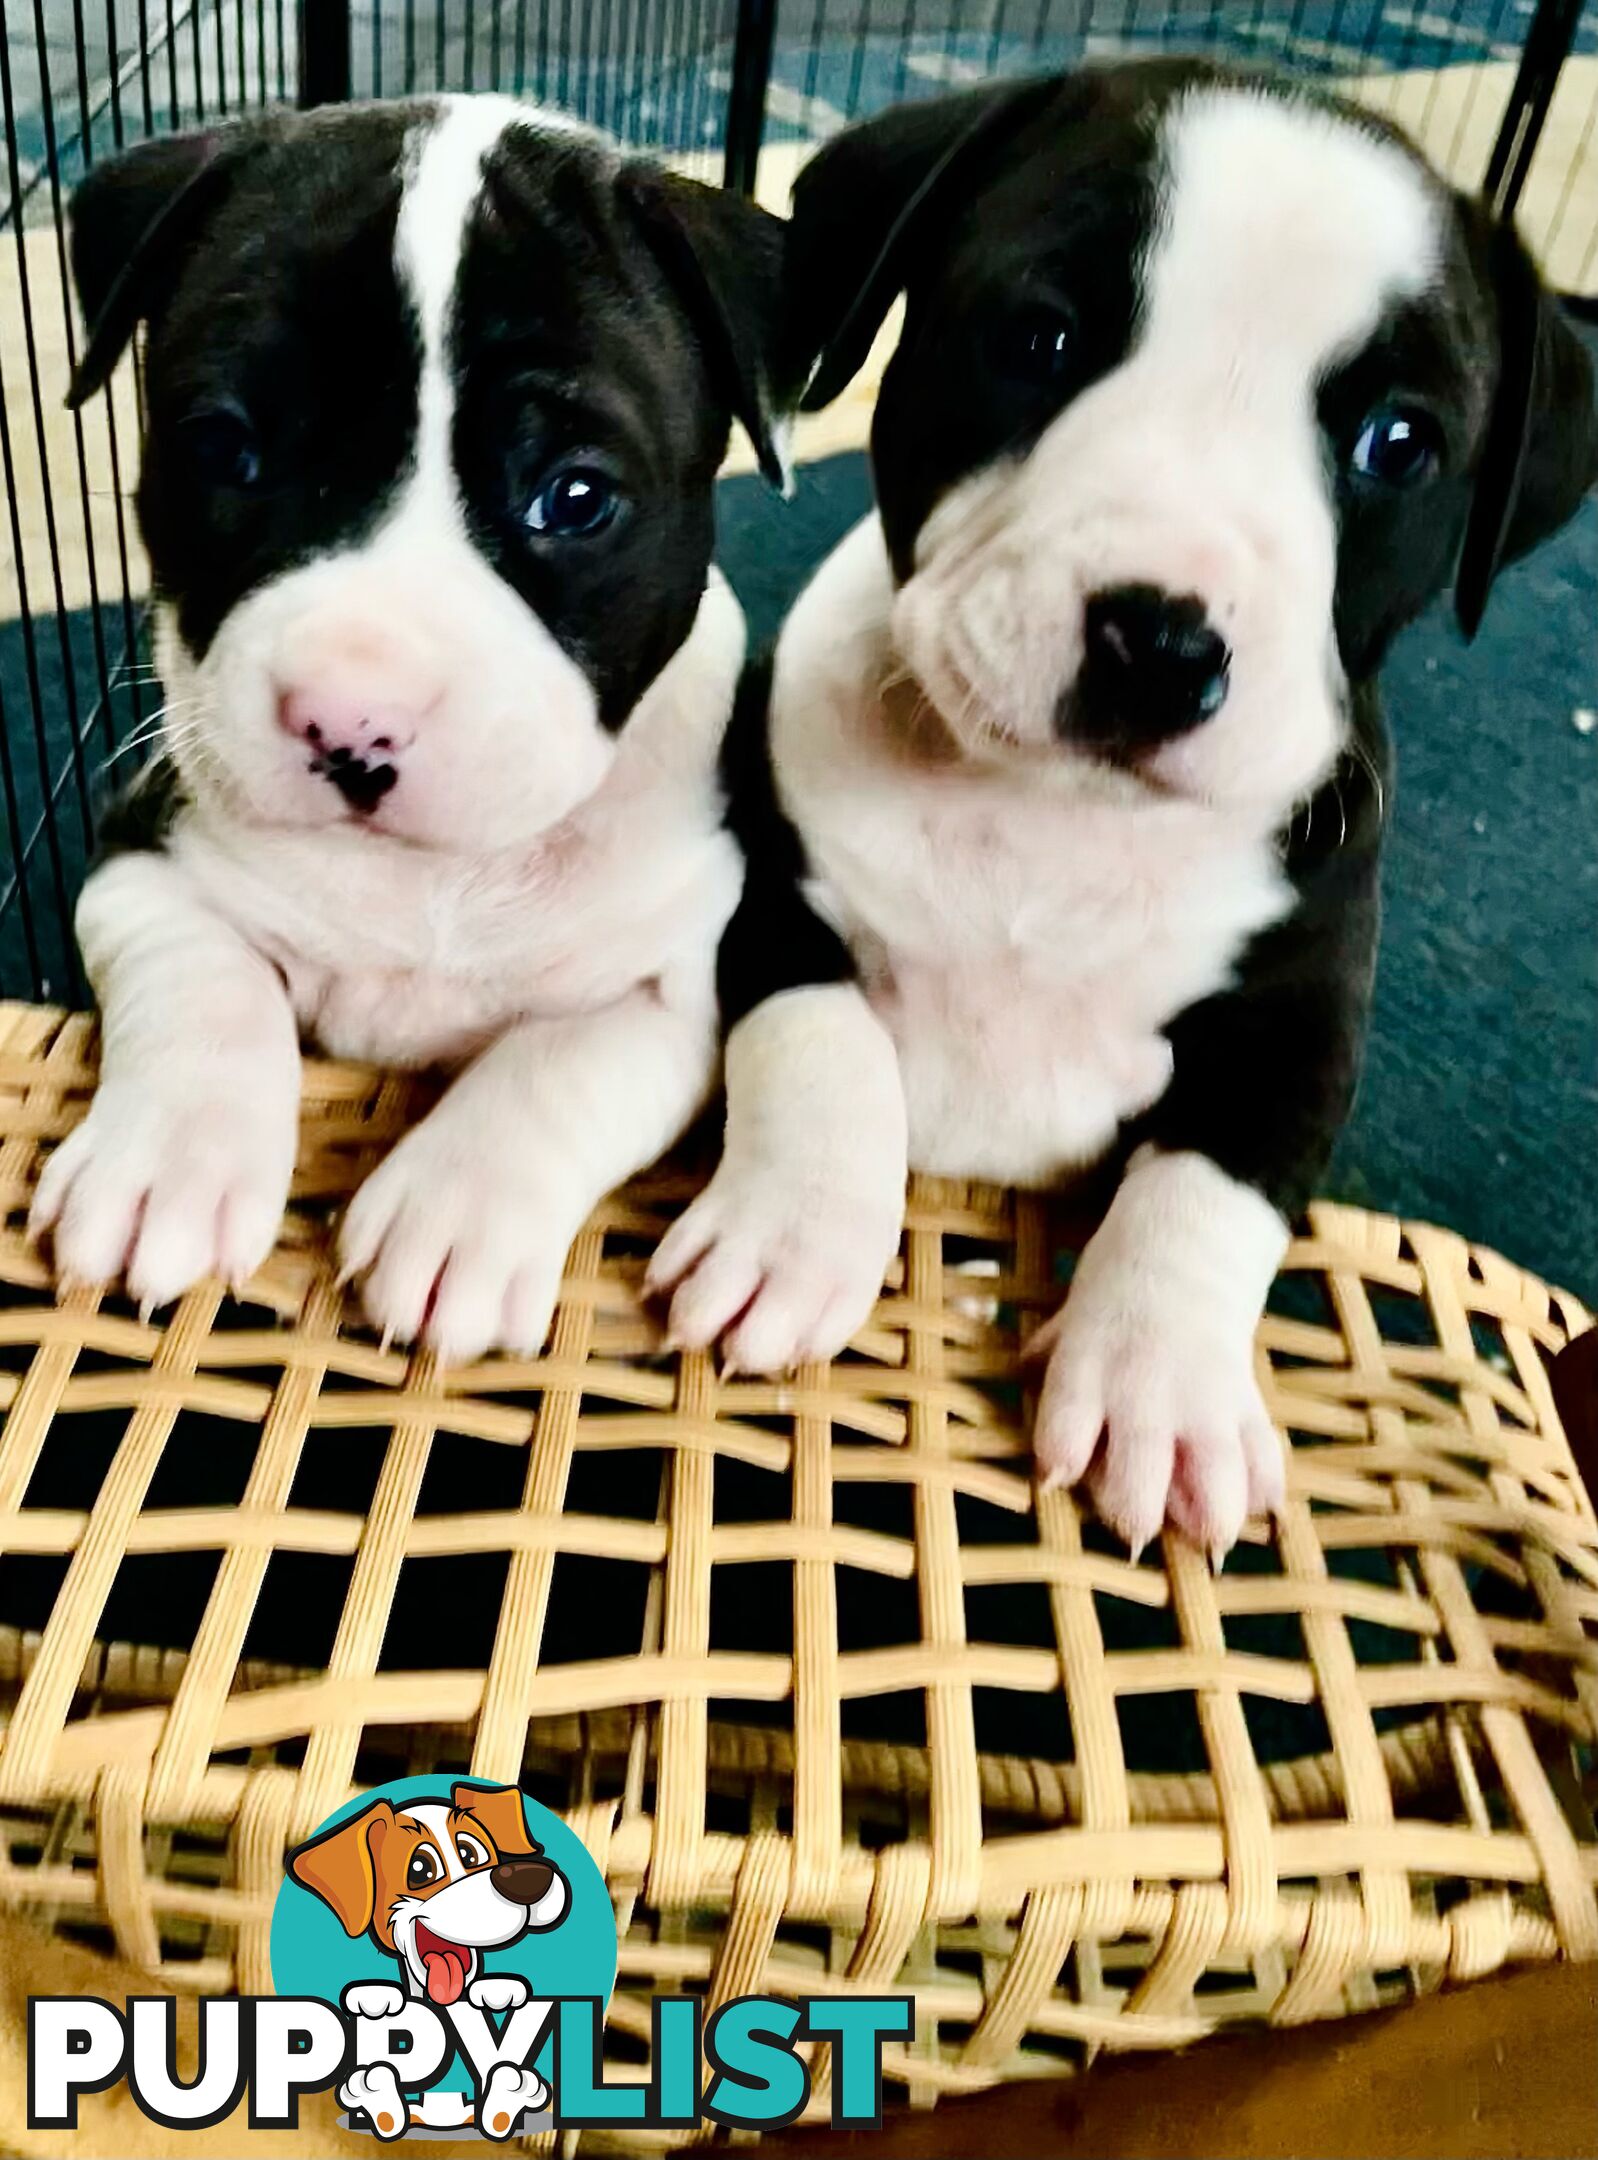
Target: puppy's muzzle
524,1881
1152,668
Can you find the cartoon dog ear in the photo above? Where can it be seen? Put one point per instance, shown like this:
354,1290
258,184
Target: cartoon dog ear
723,257
498,1808
1540,454
132,219
340,1866
862,209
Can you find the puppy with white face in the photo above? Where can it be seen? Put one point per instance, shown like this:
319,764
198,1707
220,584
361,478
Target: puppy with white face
436,395
1066,846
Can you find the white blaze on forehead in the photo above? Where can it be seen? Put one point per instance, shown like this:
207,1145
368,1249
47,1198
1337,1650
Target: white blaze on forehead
1284,233
444,159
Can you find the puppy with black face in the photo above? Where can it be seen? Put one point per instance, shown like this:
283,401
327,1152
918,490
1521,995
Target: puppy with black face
436,397
1204,388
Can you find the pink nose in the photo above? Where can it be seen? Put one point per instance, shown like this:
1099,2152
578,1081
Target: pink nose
355,743
365,727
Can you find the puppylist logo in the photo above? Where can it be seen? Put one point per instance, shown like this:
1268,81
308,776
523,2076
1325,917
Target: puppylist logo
442,1953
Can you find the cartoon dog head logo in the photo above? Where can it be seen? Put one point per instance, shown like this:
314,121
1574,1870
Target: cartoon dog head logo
435,1883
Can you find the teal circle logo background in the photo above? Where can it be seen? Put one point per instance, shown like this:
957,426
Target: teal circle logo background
312,1955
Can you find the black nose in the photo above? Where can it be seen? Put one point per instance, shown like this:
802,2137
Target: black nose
362,786
1152,667
524,1882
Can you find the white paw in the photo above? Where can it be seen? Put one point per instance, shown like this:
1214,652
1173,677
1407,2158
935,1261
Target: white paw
373,1999
459,1249
499,1991
375,2093
1154,1398
508,2095
164,1187
780,1271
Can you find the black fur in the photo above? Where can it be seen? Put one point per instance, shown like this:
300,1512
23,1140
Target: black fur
775,940
297,322
138,819
1264,1074
979,207
572,336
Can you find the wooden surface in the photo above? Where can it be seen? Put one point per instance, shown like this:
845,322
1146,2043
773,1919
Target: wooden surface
1506,2069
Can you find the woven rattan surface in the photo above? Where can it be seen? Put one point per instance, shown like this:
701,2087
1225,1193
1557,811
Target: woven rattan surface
1358,1760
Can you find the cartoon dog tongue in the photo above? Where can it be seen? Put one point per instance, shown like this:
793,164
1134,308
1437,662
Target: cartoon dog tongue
445,1964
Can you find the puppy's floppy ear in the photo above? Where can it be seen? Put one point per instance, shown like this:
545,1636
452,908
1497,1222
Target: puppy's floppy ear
131,220
723,256
340,1868
861,208
1540,455
499,1809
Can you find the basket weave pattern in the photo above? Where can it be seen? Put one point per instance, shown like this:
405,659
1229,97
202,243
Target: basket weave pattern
754,1832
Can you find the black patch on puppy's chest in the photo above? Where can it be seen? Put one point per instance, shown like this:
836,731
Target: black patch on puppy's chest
775,941
139,818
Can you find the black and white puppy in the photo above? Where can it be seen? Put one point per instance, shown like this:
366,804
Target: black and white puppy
436,397
1204,388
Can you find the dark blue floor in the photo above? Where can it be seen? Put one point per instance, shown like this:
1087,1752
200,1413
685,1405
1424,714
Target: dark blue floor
1479,1107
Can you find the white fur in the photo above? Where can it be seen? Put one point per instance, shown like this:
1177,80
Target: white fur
1195,465
783,1253
1153,1351
535,894
1028,921
1025,928
182,1166
462,1232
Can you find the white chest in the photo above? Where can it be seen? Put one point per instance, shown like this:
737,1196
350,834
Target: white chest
399,956
1028,963
1026,931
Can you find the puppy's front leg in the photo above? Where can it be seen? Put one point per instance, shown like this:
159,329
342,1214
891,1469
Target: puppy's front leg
784,1252
463,1232
181,1168
1151,1387
1152,1355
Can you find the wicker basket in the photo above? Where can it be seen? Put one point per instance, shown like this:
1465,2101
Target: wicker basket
880,1714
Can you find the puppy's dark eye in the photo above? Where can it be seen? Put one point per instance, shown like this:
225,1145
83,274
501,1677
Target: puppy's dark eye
574,504
425,1868
1035,345
472,1855
1397,446
223,448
